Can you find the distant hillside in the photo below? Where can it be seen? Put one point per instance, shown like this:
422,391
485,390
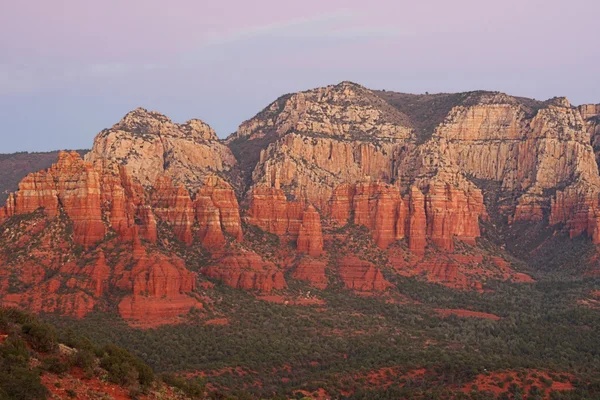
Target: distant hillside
15,166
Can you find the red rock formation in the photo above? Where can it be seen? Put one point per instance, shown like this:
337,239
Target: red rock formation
340,205
312,271
321,138
361,275
270,211
46,298
444,213
310,238
173,204
452,212
217,211
159,285
376,205
247,270
99,274
150,145
579,209
215,208
95,198
125,199
70,185
9,209
418,222
338,148
86,193
446,271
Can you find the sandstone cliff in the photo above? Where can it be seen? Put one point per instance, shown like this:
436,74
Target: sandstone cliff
75,205
591,115
151,145
314,144
311,141
337,185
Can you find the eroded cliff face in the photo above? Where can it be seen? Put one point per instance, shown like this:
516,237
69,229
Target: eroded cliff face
337,185
441,215
62,220
151,145
326,139
42,269
208,217
245,269
94,198
309,142
591,115
528,155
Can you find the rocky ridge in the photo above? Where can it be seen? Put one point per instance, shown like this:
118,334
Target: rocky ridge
151,145
313,169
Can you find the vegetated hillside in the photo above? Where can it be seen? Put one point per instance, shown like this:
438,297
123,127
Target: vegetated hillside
342,243
37,362
14,167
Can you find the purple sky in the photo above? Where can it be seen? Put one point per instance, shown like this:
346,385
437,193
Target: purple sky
69,68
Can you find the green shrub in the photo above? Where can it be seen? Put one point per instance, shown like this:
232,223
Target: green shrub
124,368
20,383
192,387
85,360
14,351
42,337
55,365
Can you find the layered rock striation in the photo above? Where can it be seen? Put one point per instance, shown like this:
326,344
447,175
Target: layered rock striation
151,145
416,171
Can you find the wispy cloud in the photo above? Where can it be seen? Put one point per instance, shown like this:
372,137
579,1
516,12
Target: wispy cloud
342,24
324,29
298,27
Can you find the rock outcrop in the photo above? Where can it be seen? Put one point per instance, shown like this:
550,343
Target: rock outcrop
51,278
445,212
310,168
312,271
214,210
151,145
310,142
527,153
217,212
313,144
361,275
86,194
247,270
589,111
591,115
160,285
310,237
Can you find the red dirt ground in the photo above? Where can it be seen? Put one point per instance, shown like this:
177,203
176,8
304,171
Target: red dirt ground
520,277
490,382
380,377
593,301
319,394
445,312
83,388
217,321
